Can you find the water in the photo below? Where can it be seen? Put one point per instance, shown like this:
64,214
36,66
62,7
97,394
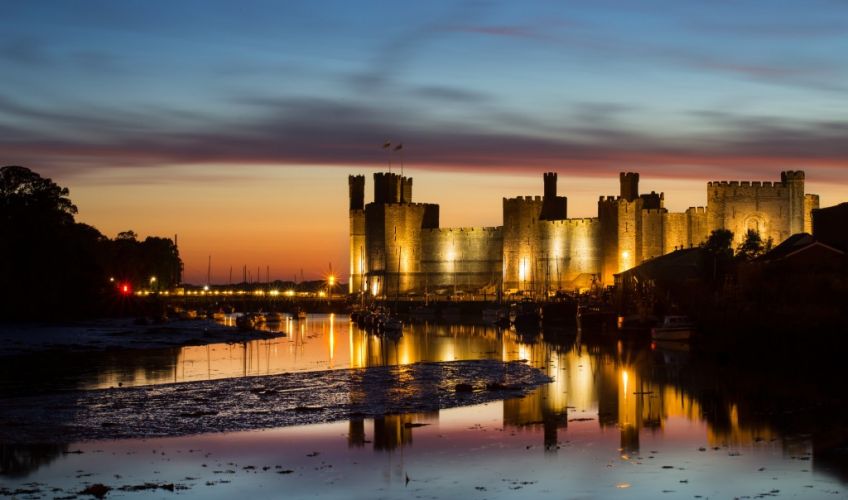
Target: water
617,420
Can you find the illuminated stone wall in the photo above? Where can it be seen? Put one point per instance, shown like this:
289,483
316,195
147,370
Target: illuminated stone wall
811,202
357,251
393,246
653,233
776,210
568,254
520,235
697,228
466,259
675,231
401,249
608,220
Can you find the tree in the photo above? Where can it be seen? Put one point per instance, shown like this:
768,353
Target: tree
751,247
719,243
24,193
54,267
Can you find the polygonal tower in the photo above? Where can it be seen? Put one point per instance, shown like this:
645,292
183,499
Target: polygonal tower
358,269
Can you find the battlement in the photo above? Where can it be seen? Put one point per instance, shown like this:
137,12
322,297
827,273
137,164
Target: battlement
392,188
579,221
524,199
696,210
448,230
607,199
792,175
654,211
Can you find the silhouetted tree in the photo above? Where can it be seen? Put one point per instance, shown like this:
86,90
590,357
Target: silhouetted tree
24,193
751,247
52,266
720,243
719,247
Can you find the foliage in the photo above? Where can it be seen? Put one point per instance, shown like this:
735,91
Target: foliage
719,243
53,266
751,247
25,193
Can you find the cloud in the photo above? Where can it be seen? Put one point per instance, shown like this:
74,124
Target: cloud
303,132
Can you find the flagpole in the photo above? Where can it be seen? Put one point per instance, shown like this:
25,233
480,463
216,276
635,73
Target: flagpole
387,146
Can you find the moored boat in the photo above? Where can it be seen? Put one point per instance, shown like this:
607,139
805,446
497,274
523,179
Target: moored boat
676,328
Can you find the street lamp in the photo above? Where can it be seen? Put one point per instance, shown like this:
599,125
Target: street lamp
152,282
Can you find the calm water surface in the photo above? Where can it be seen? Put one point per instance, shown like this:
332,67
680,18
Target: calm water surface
618,420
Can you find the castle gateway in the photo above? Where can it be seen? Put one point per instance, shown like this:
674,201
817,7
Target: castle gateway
397,246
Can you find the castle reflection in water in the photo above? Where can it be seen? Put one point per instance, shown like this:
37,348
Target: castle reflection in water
612,389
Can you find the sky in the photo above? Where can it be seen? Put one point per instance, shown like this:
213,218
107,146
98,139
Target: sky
235,124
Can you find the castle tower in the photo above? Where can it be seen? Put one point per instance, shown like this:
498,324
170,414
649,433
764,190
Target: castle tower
356,185
794,181
406,194
629,185
553,207
550,179
621,226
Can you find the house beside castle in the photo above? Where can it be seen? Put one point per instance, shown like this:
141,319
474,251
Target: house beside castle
398,247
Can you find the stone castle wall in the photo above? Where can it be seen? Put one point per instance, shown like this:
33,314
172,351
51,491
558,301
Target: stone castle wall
397,247
772,209
653,233
520,240
569,254
811,202
464,259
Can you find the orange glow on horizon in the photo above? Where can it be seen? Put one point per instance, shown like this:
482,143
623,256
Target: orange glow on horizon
292,218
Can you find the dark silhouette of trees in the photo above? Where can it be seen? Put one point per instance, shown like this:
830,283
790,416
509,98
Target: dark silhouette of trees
719,255
54,267
751,247
720,243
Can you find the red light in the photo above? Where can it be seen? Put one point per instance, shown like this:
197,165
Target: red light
125,289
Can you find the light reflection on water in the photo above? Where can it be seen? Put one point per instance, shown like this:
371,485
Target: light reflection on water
477,452
612,418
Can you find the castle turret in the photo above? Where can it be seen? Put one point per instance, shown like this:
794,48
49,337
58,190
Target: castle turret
358,268
629,185
794,181
553,207
356,186
550,179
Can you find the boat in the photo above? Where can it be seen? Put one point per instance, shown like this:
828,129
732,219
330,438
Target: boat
248,322
596,319
274,317
676,328
526,316
301,314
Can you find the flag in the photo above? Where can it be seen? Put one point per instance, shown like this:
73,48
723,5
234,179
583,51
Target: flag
399,147
387,145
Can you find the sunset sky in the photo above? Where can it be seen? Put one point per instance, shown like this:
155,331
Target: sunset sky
235,124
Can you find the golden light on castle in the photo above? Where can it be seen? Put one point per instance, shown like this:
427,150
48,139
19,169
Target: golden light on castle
537,247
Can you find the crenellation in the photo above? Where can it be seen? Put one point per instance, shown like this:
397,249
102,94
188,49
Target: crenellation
397,246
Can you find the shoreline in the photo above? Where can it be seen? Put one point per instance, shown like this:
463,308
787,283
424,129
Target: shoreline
260,402
21,339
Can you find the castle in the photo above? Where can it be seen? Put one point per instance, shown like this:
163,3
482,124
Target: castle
397,246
